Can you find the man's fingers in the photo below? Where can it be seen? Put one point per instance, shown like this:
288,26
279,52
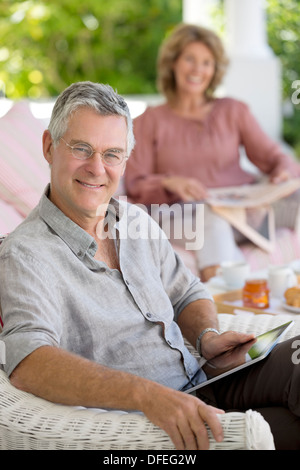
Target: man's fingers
190,436
209,414
194,432
177,439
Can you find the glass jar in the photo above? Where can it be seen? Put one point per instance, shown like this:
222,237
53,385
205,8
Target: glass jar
256,294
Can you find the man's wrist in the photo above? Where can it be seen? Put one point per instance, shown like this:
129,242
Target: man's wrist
199,339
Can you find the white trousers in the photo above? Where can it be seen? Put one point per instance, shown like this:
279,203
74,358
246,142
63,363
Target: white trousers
196,227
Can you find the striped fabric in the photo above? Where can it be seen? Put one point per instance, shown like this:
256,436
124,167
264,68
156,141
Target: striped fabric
287,249
1,321
9,218
23,171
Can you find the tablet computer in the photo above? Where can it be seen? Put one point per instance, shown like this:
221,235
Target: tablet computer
241,356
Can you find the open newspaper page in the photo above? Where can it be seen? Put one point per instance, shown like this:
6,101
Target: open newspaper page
251,195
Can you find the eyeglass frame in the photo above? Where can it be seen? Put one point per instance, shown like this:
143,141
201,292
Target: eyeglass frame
124,157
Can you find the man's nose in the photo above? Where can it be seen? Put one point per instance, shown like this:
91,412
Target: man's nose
96,164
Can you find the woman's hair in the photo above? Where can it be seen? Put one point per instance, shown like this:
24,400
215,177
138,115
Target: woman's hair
102,98
174,45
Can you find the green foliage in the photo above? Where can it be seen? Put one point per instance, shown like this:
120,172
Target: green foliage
46,45
283,22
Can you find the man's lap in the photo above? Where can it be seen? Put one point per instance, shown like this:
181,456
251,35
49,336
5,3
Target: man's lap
271,386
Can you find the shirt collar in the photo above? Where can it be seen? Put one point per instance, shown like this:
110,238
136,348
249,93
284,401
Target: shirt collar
78,240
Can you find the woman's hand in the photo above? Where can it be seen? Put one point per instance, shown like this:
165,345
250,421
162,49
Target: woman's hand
187,189
279,176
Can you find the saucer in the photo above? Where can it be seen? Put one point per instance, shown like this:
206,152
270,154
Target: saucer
290,308
218,282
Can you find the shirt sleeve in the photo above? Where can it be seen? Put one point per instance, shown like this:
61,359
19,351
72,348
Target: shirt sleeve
142,183
261,150
29,307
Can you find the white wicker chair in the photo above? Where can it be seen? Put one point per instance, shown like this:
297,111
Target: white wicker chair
28,422
31,423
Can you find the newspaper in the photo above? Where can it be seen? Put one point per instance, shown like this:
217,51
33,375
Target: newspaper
251,195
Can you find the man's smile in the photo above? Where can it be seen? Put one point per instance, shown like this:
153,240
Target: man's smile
89,185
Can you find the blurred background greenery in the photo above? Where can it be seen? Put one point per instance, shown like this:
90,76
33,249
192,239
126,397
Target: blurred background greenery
47,45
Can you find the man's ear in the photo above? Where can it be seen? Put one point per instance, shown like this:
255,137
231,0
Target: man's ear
47,146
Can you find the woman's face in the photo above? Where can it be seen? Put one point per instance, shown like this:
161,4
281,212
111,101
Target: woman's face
194,69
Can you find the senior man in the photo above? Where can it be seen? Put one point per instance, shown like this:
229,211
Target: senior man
94,316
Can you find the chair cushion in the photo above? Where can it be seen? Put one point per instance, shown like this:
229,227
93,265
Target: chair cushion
1,321
23,171
9,218
287,249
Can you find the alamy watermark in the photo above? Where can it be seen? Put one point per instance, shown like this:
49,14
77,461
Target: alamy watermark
296,354
181,223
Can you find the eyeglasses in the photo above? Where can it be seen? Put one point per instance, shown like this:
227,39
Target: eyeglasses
83,151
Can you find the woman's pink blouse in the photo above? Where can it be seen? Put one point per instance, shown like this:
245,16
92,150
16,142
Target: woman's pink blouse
168,144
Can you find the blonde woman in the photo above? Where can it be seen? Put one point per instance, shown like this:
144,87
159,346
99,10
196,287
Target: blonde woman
192,141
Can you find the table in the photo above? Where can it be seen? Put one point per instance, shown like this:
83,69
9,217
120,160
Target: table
216,288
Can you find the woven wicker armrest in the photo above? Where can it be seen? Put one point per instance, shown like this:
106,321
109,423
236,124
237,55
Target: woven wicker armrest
28,422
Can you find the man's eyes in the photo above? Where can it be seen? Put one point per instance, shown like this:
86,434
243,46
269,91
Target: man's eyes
82,148
110,156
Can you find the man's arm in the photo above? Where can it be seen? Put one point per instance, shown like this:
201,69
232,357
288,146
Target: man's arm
201,314
196,317
62,377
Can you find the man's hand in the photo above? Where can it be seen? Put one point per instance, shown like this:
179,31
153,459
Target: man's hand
213,345
183,417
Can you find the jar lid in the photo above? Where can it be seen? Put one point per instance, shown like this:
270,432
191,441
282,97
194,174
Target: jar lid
256,284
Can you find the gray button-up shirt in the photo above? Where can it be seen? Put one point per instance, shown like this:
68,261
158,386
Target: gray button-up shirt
54,292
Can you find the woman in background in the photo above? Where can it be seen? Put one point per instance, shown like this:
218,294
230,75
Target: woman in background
191,142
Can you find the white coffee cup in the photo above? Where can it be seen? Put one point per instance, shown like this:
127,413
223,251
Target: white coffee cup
295,266
234,273
280,279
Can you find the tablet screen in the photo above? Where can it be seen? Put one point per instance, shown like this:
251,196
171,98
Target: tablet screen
265,342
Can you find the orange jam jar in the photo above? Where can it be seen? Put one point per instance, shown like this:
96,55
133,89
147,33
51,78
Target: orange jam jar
256,294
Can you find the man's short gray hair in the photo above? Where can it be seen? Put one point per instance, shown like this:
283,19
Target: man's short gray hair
102,98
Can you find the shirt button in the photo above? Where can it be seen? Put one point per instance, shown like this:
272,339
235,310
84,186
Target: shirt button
148,315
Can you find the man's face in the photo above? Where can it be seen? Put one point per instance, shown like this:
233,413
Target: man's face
83,188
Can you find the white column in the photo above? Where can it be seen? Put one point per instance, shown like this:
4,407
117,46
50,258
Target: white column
246,28
254,74
198,12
